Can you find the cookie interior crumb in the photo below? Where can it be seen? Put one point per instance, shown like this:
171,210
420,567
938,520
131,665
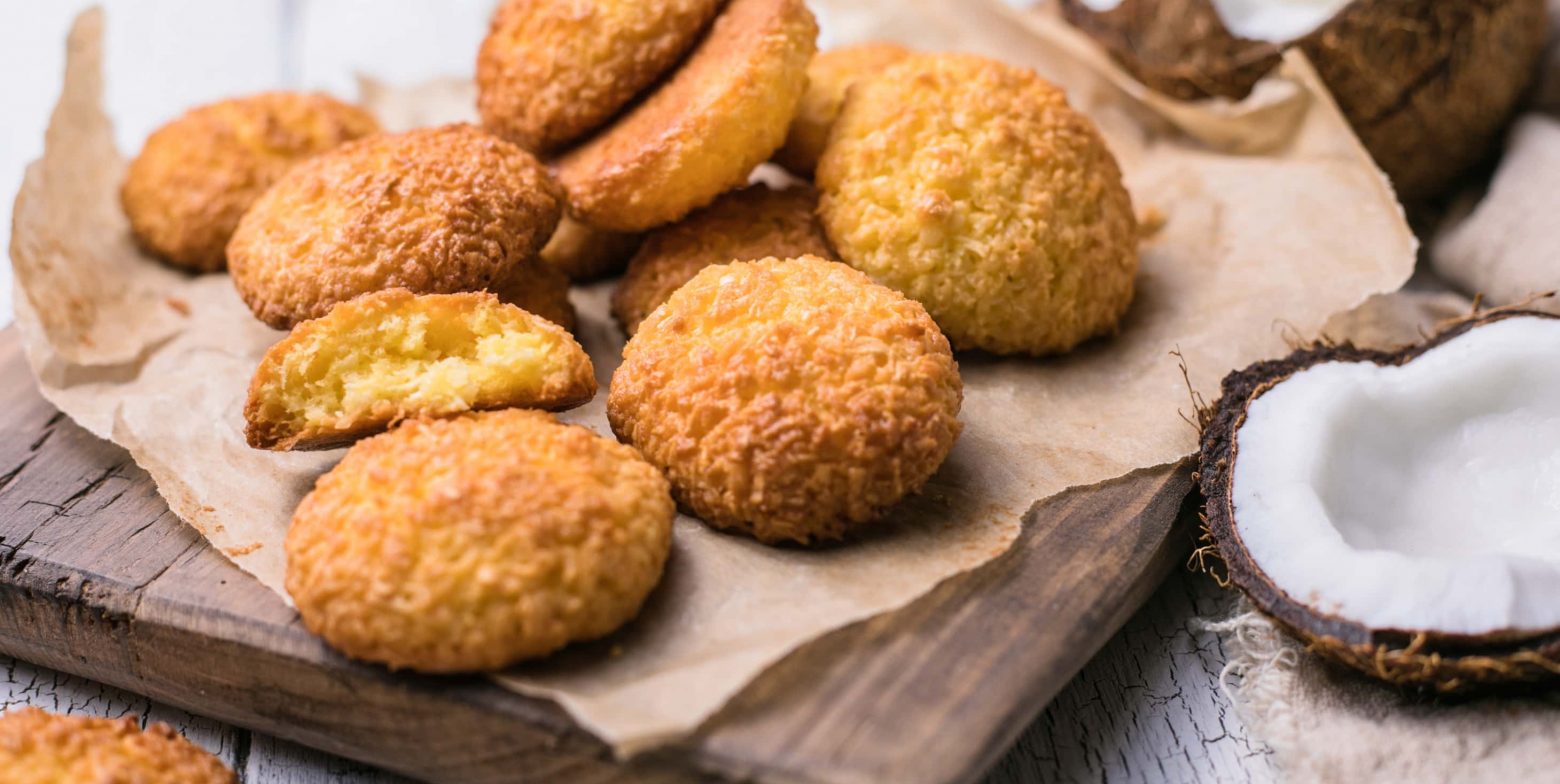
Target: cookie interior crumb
438,360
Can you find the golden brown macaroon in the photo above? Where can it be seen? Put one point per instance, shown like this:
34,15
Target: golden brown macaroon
41,748
972,187
585,254
829,77
793,400
393,355
435,210
196,176
701,133
550,71
541,290
753,223
473,543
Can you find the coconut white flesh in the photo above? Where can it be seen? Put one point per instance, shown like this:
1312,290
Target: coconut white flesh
1420,497
1276,21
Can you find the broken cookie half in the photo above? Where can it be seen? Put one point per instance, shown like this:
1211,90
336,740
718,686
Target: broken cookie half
1400,511
381,358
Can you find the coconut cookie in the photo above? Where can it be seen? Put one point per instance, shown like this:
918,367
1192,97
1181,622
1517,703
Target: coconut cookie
829,77
196,176
435,210
701,133
393,355
42,748
972,187
550,71
541,290
470,544
585,254
753,223
793,400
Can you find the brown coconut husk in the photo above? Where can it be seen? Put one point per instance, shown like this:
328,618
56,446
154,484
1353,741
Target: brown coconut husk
1178,47
1427,84
1409,658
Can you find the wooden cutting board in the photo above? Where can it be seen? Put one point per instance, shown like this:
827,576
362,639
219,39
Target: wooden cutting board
99,579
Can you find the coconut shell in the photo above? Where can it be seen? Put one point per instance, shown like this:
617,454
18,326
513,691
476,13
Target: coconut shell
1410,658
1427,84
1178,47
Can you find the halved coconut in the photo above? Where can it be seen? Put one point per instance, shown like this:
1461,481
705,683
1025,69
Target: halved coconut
1427,84
1400,511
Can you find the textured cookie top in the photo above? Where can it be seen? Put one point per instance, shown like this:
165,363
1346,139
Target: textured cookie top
550,71
744,225
42,748
473,543
790,399
701,133
435,210
972,186
194,178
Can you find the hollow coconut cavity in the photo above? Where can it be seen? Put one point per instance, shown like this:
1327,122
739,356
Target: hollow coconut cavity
381,358
1400,511
1427,84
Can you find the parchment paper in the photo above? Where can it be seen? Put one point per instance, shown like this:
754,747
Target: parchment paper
1254,251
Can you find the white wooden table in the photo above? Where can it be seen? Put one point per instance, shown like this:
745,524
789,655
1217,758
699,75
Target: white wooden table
1148,708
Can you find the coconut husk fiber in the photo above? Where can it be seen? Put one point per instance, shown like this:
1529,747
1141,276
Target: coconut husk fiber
1327,724
1412,77
1254,249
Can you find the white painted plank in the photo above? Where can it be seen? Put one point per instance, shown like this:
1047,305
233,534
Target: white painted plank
274,761
1148,707
401,42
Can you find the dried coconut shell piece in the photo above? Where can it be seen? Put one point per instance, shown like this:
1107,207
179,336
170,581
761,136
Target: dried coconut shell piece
1428,86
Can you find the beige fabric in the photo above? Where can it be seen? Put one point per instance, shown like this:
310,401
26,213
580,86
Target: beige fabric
1329,725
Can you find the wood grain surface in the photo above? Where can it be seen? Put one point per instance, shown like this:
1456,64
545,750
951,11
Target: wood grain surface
98,579
1146,709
